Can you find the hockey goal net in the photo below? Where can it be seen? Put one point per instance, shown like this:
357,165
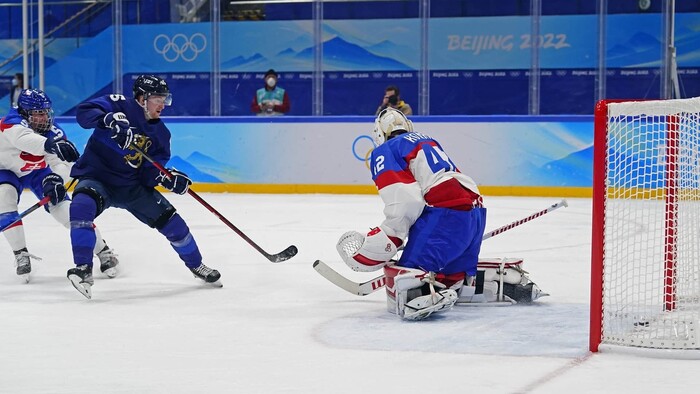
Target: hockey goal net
645,272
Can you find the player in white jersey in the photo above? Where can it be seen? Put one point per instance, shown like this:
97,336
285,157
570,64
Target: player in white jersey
430,202
36,155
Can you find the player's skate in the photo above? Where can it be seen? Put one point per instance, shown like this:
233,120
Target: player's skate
411,293
108,262
81,278
209,276
23,263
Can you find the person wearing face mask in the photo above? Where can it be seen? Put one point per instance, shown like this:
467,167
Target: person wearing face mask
272,99
17,86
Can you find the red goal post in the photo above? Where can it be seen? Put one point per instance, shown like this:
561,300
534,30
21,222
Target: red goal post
645,256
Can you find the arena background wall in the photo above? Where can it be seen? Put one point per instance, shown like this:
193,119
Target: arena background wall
475,66
506,155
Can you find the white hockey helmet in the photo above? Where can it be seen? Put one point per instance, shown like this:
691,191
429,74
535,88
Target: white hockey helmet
388,121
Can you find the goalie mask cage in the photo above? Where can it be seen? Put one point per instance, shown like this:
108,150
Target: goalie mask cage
645,271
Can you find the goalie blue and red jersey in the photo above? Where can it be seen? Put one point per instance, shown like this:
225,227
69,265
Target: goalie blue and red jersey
427,199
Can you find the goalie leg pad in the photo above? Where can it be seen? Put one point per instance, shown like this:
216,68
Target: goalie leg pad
494,273
510,268
411,293
407,279
476,290
421,307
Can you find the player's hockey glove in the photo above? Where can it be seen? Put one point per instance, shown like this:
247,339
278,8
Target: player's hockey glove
179,182
53,188
64,149
121,132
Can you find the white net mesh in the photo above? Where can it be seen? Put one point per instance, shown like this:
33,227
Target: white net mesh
651,267
349,243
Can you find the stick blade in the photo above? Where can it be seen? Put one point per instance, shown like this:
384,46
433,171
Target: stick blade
360,289
284,255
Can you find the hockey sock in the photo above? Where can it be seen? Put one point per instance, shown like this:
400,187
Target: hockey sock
8,217
177,232
82,232
14,234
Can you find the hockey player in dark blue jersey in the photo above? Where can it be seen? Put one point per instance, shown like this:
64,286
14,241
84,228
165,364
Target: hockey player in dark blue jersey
112,174
430,202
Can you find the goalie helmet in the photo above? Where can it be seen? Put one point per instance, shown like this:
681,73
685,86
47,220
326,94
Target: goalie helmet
150,85
35,106
388,121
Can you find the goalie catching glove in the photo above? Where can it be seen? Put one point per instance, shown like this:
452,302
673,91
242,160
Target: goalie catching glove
178,182
367,253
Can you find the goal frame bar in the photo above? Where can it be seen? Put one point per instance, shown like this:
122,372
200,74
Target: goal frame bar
600,190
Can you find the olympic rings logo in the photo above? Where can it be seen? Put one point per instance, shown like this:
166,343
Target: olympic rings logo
359,145
180,46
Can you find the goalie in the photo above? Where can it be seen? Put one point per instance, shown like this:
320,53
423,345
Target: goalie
428,201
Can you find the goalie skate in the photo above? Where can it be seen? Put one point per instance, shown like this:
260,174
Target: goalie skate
211,277
81,278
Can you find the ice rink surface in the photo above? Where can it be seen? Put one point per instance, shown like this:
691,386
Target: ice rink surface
282,328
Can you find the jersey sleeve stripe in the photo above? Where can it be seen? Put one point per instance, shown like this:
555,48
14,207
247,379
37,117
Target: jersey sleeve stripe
387,178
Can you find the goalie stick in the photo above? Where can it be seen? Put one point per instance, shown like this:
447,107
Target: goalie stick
284,255
372,285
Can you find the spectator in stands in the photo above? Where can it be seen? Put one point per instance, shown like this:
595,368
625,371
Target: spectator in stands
272,99
392,98
17,86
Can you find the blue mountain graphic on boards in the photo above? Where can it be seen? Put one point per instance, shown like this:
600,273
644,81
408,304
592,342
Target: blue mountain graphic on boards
641,48
241,61
202,168
338,55
192,171
344,55
576,169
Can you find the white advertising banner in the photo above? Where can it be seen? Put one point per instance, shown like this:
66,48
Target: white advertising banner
299,151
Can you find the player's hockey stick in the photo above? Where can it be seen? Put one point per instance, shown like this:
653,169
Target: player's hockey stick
29,210
372,285
33,208
286,254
